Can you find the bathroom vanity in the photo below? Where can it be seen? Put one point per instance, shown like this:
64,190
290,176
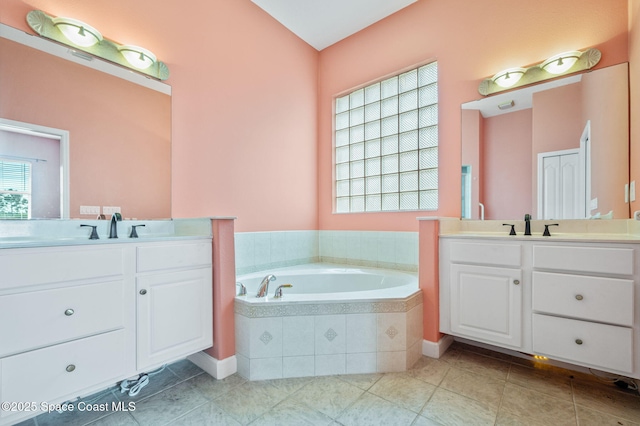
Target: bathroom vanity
571,298
77,317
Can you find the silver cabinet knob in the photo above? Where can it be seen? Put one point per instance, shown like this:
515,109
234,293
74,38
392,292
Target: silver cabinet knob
516,282
143,292
579,297
69,312
578,341
70,368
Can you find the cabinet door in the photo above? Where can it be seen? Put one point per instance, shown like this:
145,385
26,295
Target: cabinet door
174,315
486,304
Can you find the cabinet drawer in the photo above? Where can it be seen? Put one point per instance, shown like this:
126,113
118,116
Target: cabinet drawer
593,344
487,254
154,258
600,260
42,375
21,268
40,318
591,298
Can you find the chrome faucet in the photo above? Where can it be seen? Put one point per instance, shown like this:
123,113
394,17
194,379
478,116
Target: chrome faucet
527,224
264,285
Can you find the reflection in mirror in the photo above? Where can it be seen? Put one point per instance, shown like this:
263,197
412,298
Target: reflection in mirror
557,150
33,171
119,132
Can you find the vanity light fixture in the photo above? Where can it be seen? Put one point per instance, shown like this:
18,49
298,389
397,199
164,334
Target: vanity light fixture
84,39
561,64
508,78
558,64
139,57
78,32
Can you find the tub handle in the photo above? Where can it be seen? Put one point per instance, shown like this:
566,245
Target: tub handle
243,289
278,293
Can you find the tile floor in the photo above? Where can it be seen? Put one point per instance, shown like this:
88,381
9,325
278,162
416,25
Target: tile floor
467,386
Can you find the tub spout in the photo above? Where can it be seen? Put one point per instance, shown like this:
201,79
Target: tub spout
264,285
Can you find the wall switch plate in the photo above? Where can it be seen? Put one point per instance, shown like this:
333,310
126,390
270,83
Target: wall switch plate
594,203
110,210
626,192
94,210
632,190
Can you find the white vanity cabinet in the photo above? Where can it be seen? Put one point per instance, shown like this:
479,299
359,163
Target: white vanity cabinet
73,321
174,305
483,296
575,302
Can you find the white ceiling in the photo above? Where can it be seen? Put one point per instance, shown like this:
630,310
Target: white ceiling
322,23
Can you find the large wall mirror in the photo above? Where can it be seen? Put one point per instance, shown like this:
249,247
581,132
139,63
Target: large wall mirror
119,138
556,150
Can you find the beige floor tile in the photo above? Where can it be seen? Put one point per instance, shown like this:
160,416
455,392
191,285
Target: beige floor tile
607,399
372,410
292,412
212,388
588,417
480,364
544,381
484,389
451,409
207,415
363,381
429,370
403,390
121,418
168,405
249,401
423,421
329,395
537,407
509,419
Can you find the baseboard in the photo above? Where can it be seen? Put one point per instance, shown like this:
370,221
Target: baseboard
219,369
436,349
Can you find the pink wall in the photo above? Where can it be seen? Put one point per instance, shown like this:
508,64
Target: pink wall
606,100
244,103
506,180
471,40
634,91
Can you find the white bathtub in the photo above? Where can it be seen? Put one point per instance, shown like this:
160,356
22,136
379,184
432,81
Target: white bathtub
321,282
334,320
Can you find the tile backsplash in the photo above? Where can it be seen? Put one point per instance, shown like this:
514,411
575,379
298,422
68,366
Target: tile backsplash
257,251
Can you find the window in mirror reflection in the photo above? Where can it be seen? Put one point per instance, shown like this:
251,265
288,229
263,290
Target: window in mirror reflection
30,172
466,192
15,190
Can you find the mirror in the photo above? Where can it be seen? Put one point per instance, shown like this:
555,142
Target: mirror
119,134
556,150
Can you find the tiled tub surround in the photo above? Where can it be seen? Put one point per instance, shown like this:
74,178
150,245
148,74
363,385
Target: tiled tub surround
317,337
259,251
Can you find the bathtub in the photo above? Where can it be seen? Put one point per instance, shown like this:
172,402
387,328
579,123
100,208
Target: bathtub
334,320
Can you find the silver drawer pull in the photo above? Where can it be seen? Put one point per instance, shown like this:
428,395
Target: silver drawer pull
70,368
579,297
578,341
69,312
516,282
143,292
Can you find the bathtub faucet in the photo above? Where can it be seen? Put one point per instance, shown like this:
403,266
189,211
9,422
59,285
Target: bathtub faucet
264,285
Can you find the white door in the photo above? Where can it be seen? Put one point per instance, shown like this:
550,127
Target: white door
486,304
559,185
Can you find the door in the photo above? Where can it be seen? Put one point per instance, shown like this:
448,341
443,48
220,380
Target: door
559,186
486,304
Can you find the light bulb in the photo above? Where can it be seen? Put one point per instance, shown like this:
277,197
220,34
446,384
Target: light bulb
77,32
508,78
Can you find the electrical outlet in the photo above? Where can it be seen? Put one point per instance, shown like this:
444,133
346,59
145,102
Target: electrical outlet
632,191
594,203
110,210
93,210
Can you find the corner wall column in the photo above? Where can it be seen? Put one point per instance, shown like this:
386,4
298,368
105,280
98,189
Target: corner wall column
428,276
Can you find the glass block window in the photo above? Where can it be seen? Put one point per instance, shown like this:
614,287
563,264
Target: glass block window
15,190
386,144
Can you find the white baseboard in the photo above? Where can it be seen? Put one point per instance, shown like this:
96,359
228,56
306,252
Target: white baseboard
436,349
219,369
